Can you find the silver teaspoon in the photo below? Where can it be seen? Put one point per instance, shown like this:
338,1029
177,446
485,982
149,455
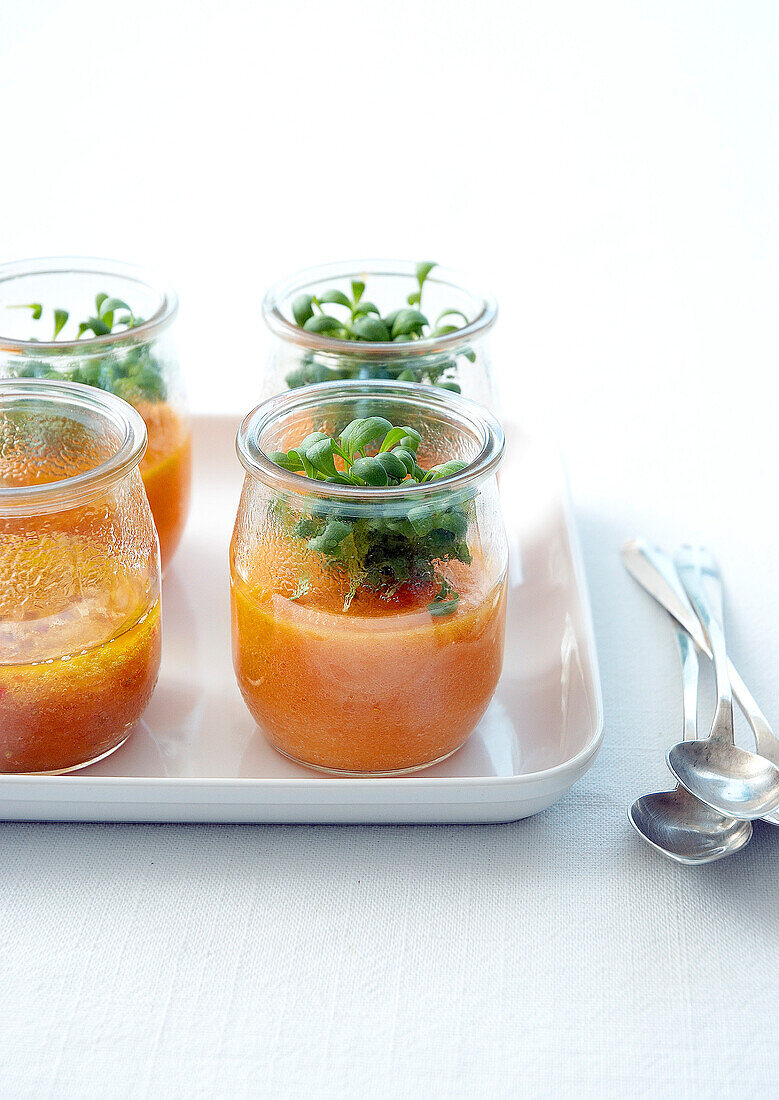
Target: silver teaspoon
656,573
675,822
730,779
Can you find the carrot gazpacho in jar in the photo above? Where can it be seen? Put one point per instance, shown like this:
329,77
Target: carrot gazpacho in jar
79,576
106,325
368,568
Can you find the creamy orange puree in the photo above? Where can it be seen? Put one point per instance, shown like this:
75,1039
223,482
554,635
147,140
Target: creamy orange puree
79,653
167,472
383,687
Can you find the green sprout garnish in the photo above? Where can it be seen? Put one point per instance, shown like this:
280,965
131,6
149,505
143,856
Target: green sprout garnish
362,322
133,373
380,552
36,307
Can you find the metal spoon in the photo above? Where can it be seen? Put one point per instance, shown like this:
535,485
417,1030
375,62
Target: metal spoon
656,573
730,779
675,822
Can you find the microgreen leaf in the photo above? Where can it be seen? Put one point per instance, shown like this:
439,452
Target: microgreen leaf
370,470
108,305
334,533
395,435
451,313
310,440
423,270
445,469
423,518
302,309
306,528
445,600
358,288
36,307
357,435
95,325
302,462
335,297
394,465
407,457
288,460
320,455
453,521
368,327
60,320
366,307
408,321
323,323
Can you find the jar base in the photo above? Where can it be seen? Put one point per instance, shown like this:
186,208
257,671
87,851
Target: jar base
78,767
345,773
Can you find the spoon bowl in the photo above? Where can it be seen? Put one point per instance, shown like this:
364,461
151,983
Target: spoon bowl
674,822
726,777
656,573
736,782
685,829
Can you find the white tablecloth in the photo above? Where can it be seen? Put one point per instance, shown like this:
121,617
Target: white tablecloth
612,170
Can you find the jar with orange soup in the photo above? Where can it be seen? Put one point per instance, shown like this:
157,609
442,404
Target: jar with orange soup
368,567
106,325
79,576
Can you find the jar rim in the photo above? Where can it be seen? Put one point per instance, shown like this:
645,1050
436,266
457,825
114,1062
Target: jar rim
69,491
471,416
282,327
143,333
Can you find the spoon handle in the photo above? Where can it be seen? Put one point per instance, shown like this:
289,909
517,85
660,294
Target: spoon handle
655,572
690,677
692,563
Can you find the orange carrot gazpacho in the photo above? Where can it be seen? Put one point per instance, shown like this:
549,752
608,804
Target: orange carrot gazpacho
368,596
80,662
166,470
80,639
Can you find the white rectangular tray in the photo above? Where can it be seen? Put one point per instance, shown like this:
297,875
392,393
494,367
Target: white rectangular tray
198,756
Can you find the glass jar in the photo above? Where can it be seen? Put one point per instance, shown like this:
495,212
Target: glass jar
79,576
368,623
458,361
136,360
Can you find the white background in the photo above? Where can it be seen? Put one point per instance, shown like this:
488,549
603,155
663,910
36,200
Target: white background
611,171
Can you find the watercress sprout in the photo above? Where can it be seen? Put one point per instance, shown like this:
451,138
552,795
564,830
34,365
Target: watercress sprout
359,320
381,552
132,372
